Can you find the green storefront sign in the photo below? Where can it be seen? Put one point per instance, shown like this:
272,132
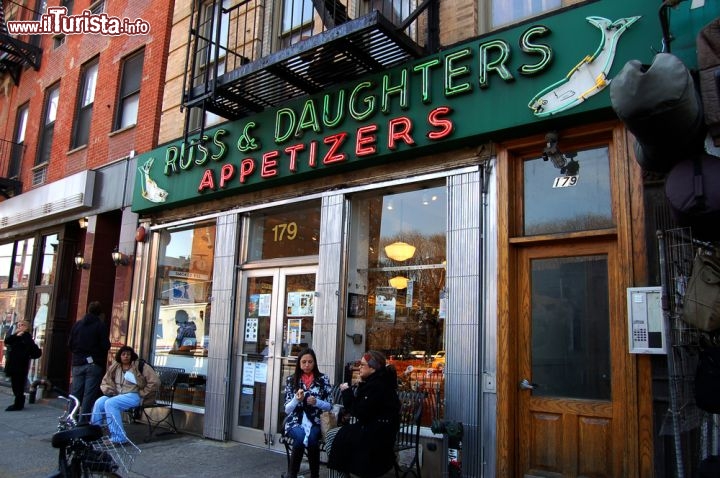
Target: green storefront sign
552,67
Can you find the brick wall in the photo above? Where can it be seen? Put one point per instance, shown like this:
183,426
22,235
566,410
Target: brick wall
64,64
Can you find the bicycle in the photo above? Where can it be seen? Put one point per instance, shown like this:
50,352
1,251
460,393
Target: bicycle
85,450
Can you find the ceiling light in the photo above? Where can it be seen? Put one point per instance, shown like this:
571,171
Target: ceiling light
399,251
399,282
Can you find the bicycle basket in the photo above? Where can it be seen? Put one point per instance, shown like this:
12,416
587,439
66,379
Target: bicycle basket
99,461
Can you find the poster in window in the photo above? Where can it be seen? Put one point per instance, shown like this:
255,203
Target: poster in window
385,300
294,331
251,330
357,306
300,304
443,304
264,305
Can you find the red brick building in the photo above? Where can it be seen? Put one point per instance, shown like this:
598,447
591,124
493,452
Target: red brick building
76,106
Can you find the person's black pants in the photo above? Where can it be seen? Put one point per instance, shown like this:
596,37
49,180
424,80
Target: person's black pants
18,380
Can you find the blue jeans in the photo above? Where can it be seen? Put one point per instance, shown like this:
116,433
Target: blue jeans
111,408
86,386
297,433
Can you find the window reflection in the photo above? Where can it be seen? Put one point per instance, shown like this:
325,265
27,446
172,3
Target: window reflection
182,312
505,12
396,285
585,205
570,327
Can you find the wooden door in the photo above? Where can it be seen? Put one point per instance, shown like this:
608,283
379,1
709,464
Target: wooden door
571,361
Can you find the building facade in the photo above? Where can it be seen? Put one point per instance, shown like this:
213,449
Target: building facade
77,105
445,182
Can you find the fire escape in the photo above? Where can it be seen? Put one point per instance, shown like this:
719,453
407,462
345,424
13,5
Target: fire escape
243,59
16,53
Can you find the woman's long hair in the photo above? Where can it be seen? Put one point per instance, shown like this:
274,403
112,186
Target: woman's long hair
298,371
126,348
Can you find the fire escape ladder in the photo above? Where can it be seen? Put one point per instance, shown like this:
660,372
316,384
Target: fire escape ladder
17,52
238,64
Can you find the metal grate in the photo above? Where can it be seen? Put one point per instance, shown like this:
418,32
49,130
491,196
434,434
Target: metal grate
696,433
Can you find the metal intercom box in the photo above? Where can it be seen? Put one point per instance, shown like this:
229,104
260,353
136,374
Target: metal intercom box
646,325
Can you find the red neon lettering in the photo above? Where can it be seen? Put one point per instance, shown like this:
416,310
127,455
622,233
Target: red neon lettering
268,168
399,130
293,151
366,141
335,141
313,154
226,173
207,181
247,166
445,126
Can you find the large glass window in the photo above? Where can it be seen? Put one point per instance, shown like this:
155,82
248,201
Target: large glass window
182,307
52,97
577,199
48,265
127,108
505,12
16,153
86,100
396,284
286,232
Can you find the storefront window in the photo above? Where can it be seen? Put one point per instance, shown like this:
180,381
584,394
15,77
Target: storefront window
48,265
23,261
182,312
285,232
396,286
12,309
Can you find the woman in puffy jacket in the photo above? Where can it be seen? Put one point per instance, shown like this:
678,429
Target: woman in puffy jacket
124,387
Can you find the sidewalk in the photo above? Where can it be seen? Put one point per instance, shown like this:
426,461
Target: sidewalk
27,452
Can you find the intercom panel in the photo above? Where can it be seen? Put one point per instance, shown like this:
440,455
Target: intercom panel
646,324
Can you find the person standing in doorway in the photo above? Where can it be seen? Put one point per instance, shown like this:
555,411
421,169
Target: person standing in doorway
89,343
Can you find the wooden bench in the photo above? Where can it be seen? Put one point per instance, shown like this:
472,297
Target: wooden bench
160,411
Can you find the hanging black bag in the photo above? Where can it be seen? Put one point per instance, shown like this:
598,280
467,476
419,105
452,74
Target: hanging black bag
694,196
707,380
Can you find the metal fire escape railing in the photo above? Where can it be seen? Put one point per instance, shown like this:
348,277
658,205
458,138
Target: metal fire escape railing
243,58
18,51
10,157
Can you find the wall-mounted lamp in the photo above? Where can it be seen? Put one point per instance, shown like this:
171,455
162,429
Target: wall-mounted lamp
119,258
80,262
83,221
563,161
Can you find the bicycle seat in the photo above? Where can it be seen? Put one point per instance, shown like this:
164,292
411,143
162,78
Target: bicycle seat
82,432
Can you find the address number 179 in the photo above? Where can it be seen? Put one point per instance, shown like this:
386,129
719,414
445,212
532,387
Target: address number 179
565,181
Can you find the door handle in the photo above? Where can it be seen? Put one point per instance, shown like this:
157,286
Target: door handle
525,384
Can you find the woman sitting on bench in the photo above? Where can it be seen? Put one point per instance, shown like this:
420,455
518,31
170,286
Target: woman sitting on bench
123,387
366,446
307,395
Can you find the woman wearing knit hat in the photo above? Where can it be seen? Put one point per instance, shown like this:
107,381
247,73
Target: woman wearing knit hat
365,447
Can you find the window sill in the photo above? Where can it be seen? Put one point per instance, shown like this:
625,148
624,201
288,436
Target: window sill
75,150
121,130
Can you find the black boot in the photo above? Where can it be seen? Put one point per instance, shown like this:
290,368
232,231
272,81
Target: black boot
296,458
314,461
18,405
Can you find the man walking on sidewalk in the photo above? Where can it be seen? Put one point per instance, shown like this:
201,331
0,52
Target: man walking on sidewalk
89,343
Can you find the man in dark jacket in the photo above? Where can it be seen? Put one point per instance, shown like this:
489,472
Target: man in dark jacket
89,343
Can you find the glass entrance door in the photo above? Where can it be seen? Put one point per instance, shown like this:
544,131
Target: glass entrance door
275,323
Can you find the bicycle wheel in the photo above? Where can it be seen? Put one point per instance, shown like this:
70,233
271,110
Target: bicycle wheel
69,463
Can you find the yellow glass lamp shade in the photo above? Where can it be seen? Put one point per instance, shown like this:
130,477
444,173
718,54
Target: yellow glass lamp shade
399,251
399,282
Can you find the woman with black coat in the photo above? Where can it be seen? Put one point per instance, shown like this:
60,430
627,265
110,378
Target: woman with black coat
366,447
20,346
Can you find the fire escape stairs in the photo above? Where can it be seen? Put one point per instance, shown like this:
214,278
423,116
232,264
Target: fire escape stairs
346,49
15,54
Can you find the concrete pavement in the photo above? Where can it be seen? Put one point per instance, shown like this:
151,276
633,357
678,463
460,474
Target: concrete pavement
26,450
